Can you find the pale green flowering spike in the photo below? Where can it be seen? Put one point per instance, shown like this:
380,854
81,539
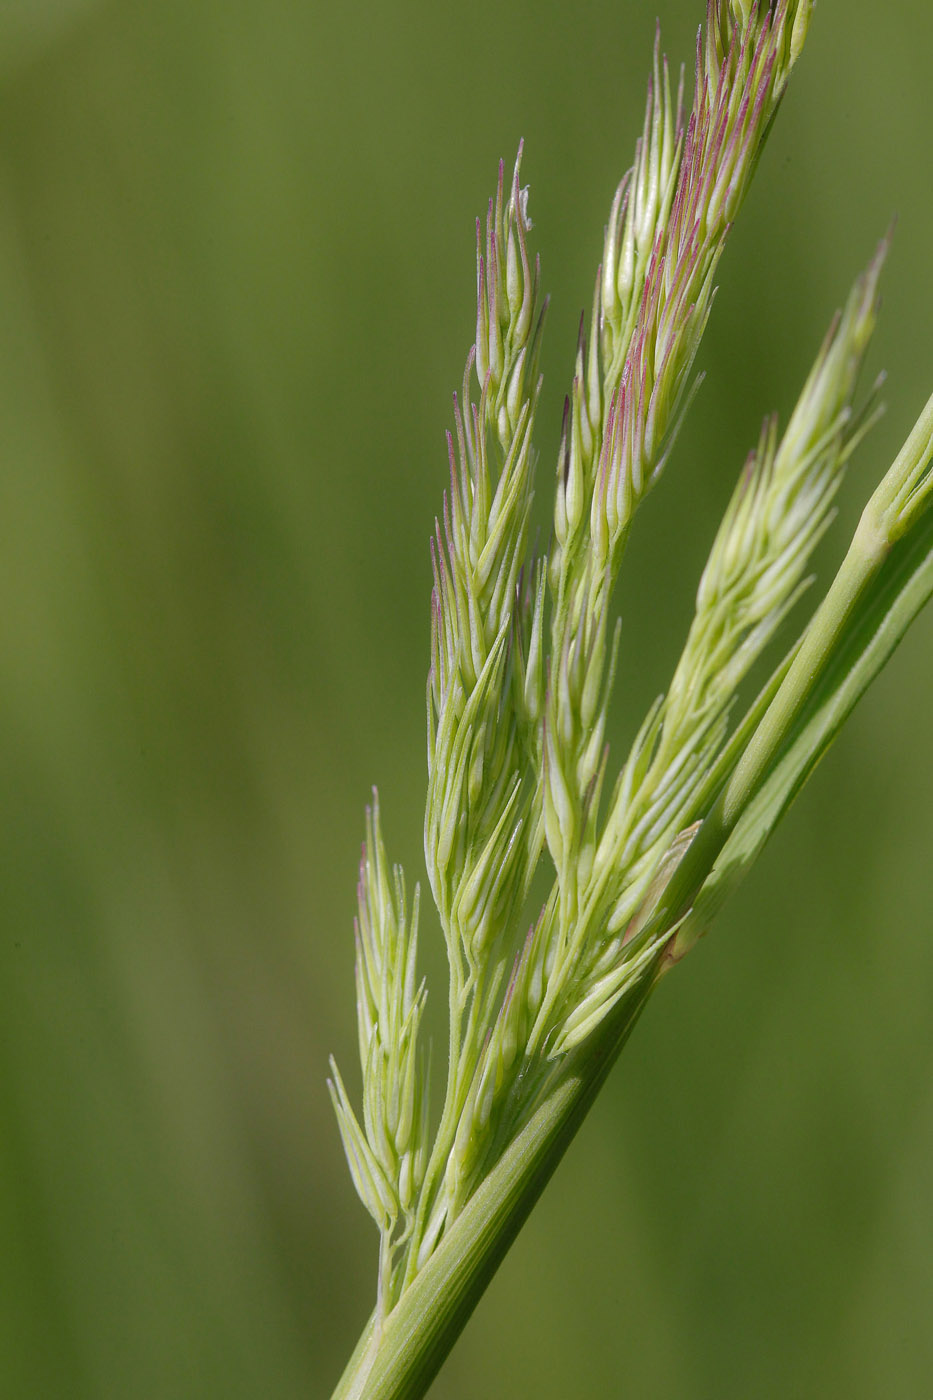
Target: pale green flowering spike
667,231
483,813
522,663
384,1154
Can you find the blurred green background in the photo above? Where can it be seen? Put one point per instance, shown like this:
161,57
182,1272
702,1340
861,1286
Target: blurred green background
236,281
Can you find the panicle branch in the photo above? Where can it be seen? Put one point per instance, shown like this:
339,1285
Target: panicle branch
781,507
524,650
779,511
633,382
388,1152
476,739
485,687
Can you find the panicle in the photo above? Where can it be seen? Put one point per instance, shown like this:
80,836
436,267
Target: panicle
523,653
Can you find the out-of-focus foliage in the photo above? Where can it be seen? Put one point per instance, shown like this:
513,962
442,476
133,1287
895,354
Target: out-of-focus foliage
236,283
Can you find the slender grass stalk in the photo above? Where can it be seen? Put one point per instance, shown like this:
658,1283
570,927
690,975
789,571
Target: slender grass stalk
523,659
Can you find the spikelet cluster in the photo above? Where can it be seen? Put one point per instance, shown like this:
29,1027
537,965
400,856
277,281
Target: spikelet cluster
779,511
666,233
667,229
478,804
524,648
387,1153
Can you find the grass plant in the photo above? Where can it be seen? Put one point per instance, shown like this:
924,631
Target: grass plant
524,653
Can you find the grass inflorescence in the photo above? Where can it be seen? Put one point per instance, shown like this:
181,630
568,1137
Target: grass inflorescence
524,653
